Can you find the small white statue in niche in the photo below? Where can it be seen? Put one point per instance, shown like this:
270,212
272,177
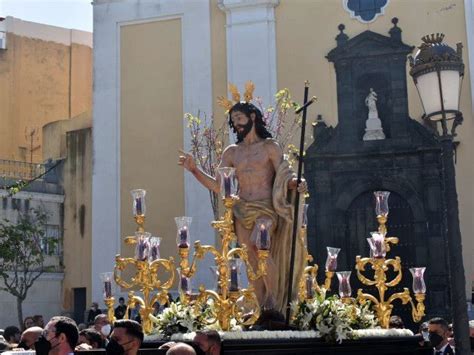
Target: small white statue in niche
373,125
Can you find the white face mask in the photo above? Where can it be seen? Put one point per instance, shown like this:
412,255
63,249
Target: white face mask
105,330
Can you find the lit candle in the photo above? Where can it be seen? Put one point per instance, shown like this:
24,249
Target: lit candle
263,237
227,186
141,247
183,238
138,206
234,280
108,288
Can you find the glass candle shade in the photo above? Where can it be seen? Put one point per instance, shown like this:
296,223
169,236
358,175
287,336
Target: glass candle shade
331,260
139,206
419,285
183,237
142,246
106,278
309,286
377,245
262,228
228,182
304,216
344,283
154,248
381,203
234,268
184,283
215,278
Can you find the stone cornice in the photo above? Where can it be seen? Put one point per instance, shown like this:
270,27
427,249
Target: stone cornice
229,5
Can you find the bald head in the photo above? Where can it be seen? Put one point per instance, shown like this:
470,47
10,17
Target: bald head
181,349
30,336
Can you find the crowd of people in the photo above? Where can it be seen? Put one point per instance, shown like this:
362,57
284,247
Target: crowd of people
62,336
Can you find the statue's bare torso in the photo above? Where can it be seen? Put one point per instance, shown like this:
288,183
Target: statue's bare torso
255,166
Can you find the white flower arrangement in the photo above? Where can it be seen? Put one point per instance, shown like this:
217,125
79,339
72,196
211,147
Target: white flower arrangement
179,318
333,320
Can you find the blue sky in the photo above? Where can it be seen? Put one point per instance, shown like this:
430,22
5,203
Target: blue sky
75,14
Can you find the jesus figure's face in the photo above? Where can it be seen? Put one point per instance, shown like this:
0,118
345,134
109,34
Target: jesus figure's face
242,123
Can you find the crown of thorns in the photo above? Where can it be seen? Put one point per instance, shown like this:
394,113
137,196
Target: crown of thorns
236,98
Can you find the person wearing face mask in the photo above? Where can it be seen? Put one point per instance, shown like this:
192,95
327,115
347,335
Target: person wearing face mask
126,338
102,325
438,334
59,337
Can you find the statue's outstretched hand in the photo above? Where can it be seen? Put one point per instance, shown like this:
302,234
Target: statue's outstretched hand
186,160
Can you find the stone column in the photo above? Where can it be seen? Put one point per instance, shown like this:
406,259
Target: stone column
251,48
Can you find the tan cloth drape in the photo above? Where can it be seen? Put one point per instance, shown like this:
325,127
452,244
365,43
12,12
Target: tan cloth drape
280,210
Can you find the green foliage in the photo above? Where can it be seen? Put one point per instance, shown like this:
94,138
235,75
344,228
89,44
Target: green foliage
21,251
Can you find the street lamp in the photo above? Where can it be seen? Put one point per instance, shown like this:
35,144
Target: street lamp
437,71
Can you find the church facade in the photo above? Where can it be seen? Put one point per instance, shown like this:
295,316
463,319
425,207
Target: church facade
155,61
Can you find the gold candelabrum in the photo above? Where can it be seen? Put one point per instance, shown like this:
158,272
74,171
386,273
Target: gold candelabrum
146,265
229,294
380,245
308,286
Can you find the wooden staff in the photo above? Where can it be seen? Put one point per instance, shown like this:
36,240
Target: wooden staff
303,108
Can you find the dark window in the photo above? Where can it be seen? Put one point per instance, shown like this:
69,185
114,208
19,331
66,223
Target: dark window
366,9
27,205
4,203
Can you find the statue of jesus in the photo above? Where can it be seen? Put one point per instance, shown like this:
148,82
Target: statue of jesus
266,188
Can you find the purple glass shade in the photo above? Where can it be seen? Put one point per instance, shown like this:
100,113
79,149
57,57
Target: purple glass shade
344,283
263,240
419,285
228,182
139,206
331,261
381,203
143,247
377,245
183,238
106,278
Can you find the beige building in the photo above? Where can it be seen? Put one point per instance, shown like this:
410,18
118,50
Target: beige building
45,114
45,75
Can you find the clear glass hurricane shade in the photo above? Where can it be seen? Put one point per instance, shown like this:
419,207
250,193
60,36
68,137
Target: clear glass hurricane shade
377,245
183,238
228,181
262,229
142,247
419,285
139,205
107,280
381,203
345,289
154,248
331,260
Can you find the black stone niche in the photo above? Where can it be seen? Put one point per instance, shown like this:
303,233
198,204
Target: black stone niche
342,170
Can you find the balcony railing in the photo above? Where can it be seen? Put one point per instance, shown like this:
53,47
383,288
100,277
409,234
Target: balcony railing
12,169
